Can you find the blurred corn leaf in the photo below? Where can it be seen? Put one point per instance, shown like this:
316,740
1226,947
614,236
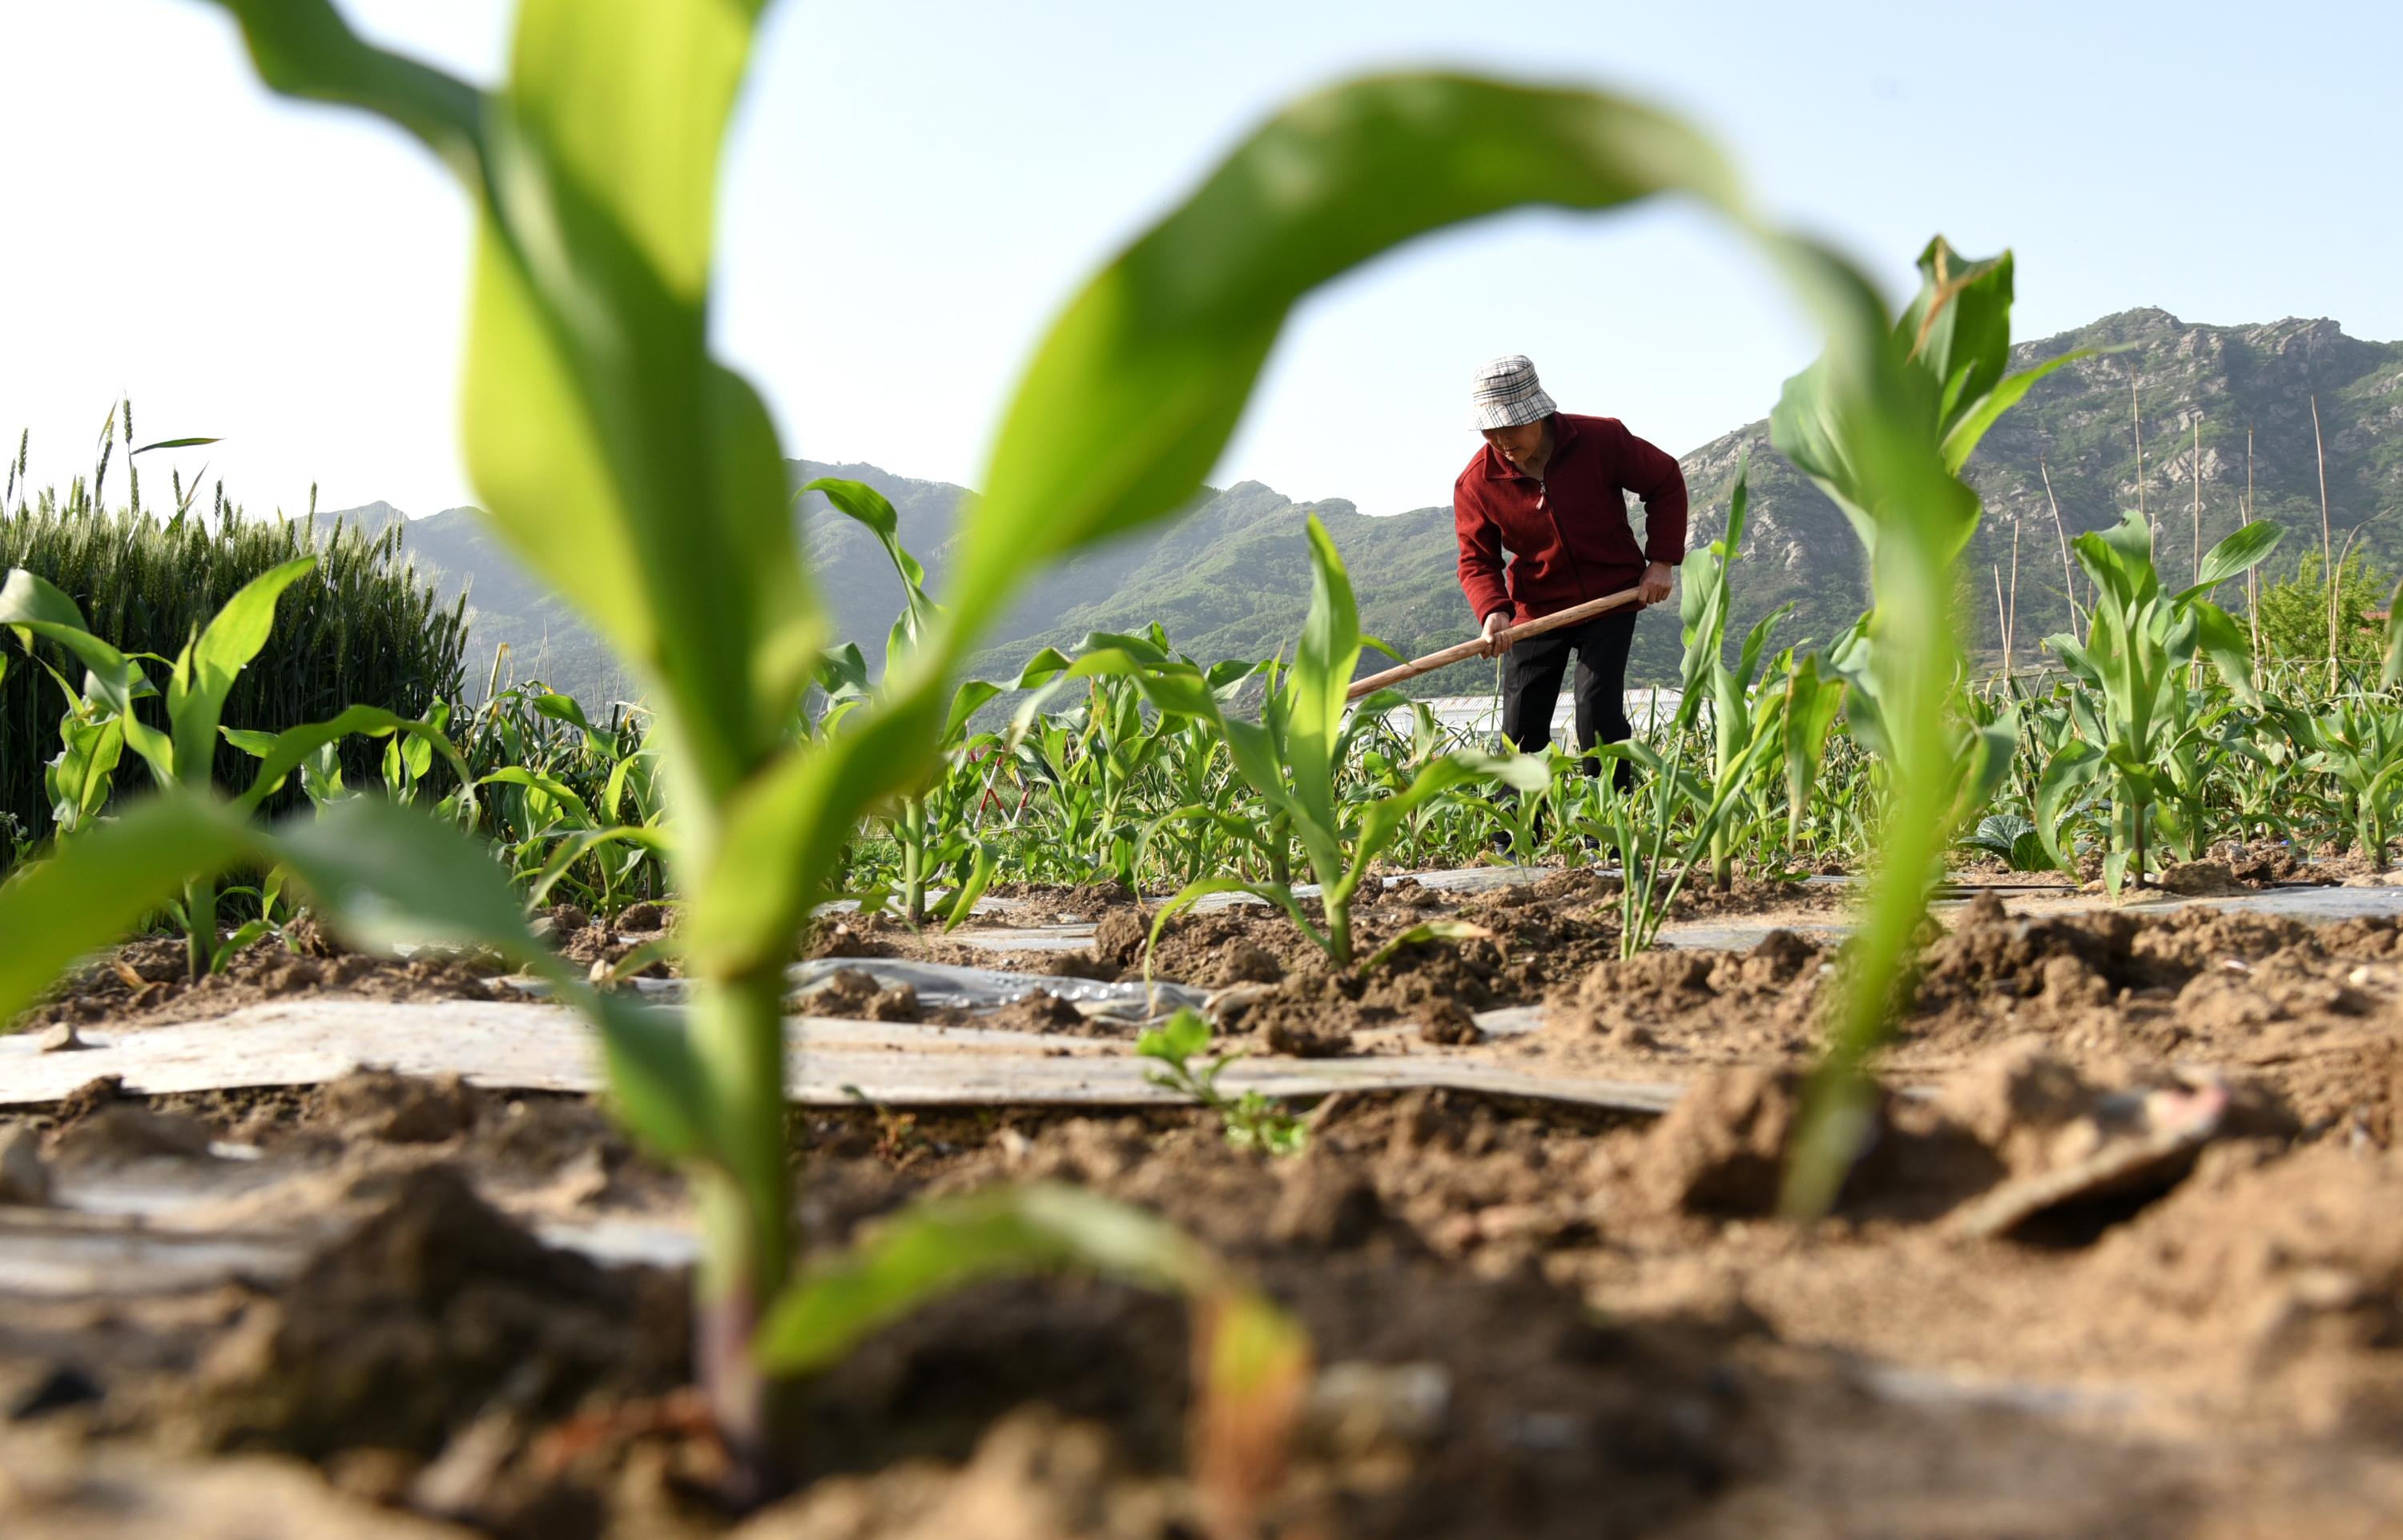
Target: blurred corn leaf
645,481
1140,383
935,1248
1876,422
101,885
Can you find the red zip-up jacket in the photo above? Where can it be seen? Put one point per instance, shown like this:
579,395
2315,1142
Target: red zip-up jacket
1568,535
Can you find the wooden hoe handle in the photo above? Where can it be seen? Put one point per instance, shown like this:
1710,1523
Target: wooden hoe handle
1450,655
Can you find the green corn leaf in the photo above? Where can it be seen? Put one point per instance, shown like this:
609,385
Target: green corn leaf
1426,931
1322,672
1238,830
1379,822
564,708
1961,438
302,47
637,476
1991,748
980,874
939,1247
281,754
549,785
2120,557
2240,552
2071,769
243,935
1959,326
1811,703
1140,383
31,606
2222,638
966,701
97,887
389,875
869,507
583,843
197,692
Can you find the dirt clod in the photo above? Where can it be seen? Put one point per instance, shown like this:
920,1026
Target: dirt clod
1302,1040
1722,1149
1244,962
1119,937
855,994
1038,1010
399,1332
127,1131
1448,1022
24,1179
400,1109
644,919
1323,1205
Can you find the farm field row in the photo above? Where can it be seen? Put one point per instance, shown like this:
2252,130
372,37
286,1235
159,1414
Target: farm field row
1762,1181
2075,1248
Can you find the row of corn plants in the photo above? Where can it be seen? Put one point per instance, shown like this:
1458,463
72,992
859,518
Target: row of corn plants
768,771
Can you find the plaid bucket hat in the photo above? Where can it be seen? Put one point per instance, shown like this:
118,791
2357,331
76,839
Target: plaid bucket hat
1506,393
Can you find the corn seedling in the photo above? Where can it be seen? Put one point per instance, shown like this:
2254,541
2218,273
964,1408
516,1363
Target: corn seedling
181,758
1643,823
1882,424
2135,657
645,481
1291,756
1252,1121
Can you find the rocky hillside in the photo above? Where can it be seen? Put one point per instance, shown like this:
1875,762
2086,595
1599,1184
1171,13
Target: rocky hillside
2079,426
1230,578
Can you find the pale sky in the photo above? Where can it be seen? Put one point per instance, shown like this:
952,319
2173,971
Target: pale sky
915,187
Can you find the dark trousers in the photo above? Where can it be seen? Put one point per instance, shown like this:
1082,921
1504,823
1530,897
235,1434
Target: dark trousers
1531,687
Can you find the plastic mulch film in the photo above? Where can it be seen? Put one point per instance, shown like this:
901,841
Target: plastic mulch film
942,984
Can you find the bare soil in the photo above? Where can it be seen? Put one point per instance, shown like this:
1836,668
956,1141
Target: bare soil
150,981
2122,1256
1565,1325
2309,1011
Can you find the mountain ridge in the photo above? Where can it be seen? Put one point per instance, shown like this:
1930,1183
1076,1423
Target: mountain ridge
1229,578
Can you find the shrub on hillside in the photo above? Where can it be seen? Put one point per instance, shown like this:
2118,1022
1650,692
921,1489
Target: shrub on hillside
2295,612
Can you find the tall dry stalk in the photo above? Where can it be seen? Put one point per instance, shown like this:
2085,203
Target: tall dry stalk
2011,619
2252,593
2068,573
2327,540
2197,526
2136,411
2002,621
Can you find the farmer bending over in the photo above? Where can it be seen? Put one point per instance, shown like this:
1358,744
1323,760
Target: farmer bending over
1549,488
